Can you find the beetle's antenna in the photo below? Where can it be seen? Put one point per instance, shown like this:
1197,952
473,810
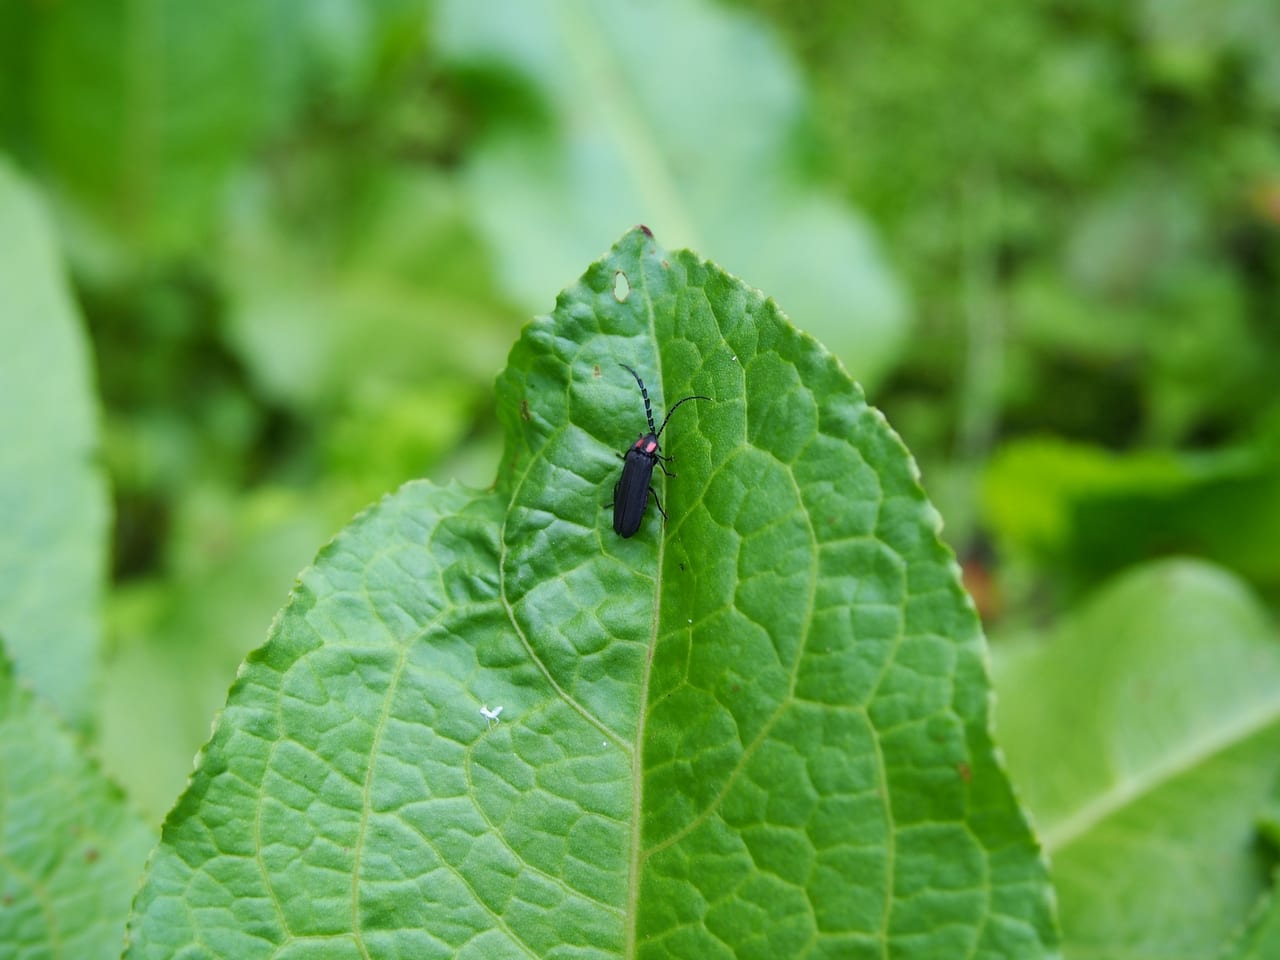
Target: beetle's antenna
648,410
673,410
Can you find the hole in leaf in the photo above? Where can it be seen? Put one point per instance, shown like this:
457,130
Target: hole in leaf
621,287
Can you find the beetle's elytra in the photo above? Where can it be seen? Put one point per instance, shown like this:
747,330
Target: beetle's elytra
631,492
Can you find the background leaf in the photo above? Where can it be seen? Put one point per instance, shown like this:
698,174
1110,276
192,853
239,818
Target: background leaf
167,101
1144,737
760,731
1086,513
158,692
1262,940
71,851
359,311
697,131
53,497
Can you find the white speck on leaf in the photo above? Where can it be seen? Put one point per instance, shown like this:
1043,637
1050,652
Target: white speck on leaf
490,716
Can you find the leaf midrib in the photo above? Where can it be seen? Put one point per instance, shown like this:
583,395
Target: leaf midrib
637,749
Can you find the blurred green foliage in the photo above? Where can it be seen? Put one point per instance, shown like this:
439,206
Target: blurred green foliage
1085,201
303,235
1093,185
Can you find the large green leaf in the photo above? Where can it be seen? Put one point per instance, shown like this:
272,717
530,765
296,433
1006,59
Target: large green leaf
71,852
1145,739
53,498
758,731
682,115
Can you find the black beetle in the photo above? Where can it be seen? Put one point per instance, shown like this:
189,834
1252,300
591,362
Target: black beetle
631,492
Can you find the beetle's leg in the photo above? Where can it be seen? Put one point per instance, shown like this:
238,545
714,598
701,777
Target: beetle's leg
664,466
658,503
